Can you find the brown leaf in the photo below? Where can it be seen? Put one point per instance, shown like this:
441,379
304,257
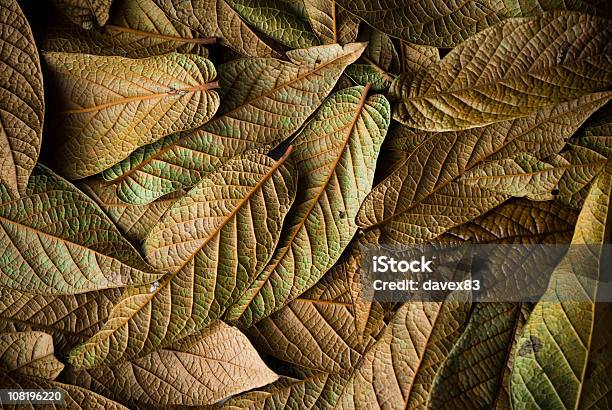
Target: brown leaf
21,99
198,370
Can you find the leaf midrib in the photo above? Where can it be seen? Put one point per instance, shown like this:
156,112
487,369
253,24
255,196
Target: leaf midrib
126,100
196,40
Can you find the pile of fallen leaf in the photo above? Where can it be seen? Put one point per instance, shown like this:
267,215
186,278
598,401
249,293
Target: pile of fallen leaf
186,186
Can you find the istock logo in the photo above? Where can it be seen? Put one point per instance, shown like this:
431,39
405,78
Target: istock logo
382,264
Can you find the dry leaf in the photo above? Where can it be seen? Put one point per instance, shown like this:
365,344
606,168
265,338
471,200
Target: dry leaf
335,155
101,97
63,243
199,370
422,198
29,354
85,13
509,71
136,29
21,99
212,242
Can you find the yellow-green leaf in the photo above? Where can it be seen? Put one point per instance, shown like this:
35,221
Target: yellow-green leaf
335,155
564,350
277,20
476,373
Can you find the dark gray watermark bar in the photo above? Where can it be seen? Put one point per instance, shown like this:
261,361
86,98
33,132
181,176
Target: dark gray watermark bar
488,272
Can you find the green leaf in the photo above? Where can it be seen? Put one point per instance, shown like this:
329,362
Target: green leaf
198,370
56,241
423,197
491,77
21,99
276,20
335,156
29,354
212,242
266,100
101,95
564,349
